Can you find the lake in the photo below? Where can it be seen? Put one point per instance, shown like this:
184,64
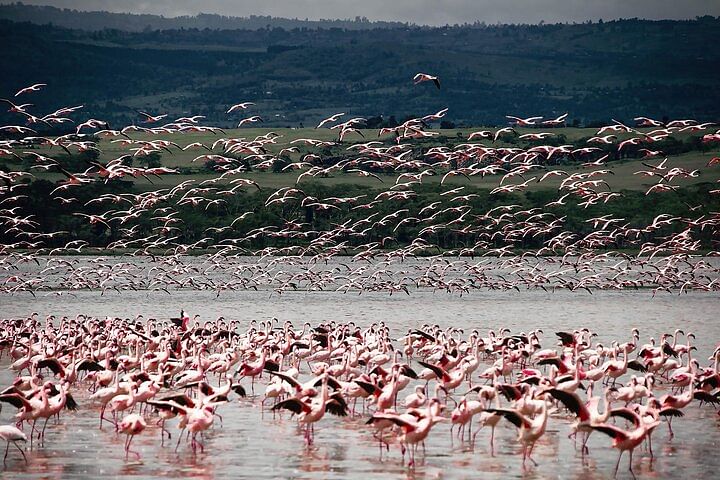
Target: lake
250,443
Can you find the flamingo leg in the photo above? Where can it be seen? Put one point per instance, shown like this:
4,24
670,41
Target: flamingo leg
32,432
179,439
128,439
617,464
585,449
492,441
42,434
20,450
532,447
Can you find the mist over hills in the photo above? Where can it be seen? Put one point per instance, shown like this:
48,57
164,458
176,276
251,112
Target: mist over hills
85,20
297,72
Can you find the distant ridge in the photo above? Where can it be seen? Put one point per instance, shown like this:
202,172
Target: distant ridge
130,22
594,71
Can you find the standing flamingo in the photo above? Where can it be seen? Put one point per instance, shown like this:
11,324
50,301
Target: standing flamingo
11,433
131,425
627,440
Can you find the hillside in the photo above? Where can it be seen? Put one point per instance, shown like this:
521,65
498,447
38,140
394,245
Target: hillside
71,18
594,71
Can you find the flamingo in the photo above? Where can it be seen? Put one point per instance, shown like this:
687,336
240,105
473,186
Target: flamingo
311,412
627,440
414,431
239,106
10,433
424,77
529,430
131,425
32,88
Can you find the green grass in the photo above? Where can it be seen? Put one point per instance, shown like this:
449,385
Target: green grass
623,177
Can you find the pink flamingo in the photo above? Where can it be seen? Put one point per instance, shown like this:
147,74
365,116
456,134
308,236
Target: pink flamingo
131,425
10,433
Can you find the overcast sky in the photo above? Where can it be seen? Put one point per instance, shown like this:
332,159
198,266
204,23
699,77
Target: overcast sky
432,12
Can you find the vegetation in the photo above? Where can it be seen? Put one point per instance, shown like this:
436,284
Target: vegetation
691,199
298,72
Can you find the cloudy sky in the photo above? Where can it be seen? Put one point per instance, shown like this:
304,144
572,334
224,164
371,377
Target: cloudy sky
433,12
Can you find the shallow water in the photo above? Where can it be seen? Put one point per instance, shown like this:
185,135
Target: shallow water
248,443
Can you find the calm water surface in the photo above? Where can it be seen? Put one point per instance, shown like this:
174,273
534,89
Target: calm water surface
252,445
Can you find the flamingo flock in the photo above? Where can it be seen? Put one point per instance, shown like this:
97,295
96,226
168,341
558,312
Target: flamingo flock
147,376
141,375
496,237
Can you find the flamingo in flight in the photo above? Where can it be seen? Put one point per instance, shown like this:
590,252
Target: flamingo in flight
424,77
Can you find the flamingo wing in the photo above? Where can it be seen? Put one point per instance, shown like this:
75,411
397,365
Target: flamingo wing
408,372
332,383
337,405
611,431
407,426
294,405
288,379
572,402
706,397
70,403
627,414
670,412
368,387
16,400
510,392
425,335
179,399
566,338
51,363
637,366
438,371
514,417
239,389
86,365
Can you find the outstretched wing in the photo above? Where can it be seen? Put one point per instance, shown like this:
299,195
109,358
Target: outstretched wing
611,431
572,402
292,404
438,371
336,405
514,417
295,384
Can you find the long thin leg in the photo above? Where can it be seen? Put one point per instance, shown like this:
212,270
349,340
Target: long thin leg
130,438
42,435
179,438
530,450
492,441
21,451
617,464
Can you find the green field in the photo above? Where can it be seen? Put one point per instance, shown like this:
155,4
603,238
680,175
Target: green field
623,170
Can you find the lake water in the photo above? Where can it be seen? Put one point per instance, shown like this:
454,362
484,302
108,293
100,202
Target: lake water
250,444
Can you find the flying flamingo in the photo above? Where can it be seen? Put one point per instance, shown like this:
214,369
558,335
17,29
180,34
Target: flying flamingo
424,77
239,106
32,88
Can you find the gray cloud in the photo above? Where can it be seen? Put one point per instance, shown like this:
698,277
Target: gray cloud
432,12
